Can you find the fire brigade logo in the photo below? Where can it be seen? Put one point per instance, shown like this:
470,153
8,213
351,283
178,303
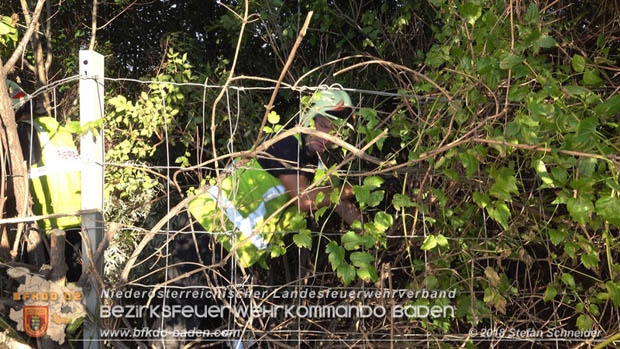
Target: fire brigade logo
35,320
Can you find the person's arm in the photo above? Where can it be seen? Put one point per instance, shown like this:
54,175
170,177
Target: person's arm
346,209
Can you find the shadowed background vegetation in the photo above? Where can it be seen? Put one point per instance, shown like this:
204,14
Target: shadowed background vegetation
507,124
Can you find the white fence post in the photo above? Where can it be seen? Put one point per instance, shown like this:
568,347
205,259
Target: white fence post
91,150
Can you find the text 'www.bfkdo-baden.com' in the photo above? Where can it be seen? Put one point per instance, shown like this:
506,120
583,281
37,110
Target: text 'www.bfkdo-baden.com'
156,333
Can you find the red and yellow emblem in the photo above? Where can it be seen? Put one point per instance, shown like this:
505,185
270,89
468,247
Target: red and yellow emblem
35,320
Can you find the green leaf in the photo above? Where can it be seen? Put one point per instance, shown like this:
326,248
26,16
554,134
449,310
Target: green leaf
578,63
482,200
383,221
613,289
613,184
375,198
319,198
568,280
576,90
429,243
277,251
320,212
587,166
584,322
352,240
541,170
609,108
501,213
334,196
347,272
303,239
550,293
570,249
367,273
362,194
470,163
5,25
505,184
609,208
586,129
298,222
273,117
590,260
546,41
75,325
470,12
559,174
399,201
591,77
580,208
556,236
360,258
532,16
441,240
508,61
73,127
517,93
373,182
335,254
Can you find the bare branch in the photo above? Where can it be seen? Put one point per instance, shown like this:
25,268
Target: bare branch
93,33
6,68
269,106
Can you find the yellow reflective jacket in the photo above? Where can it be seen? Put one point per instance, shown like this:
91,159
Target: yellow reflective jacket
55,182
246,198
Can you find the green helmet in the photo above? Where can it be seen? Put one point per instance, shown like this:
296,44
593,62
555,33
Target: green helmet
18,96
332,103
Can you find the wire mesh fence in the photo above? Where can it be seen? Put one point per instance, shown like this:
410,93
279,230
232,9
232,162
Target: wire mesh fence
160,151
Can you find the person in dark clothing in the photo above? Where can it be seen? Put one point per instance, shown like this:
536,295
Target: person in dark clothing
285,171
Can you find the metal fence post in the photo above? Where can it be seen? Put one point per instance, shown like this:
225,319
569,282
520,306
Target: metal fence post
91,150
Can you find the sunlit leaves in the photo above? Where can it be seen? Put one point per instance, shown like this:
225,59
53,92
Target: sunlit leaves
273,117
433,241
360,258
470,12
335,254
352,241
303,239
346,272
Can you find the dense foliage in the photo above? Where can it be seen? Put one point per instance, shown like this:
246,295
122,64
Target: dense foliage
500,164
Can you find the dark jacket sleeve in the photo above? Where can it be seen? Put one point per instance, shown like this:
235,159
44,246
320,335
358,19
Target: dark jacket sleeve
28,143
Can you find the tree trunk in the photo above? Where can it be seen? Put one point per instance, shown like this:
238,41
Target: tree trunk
57,257
17,165
8,132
